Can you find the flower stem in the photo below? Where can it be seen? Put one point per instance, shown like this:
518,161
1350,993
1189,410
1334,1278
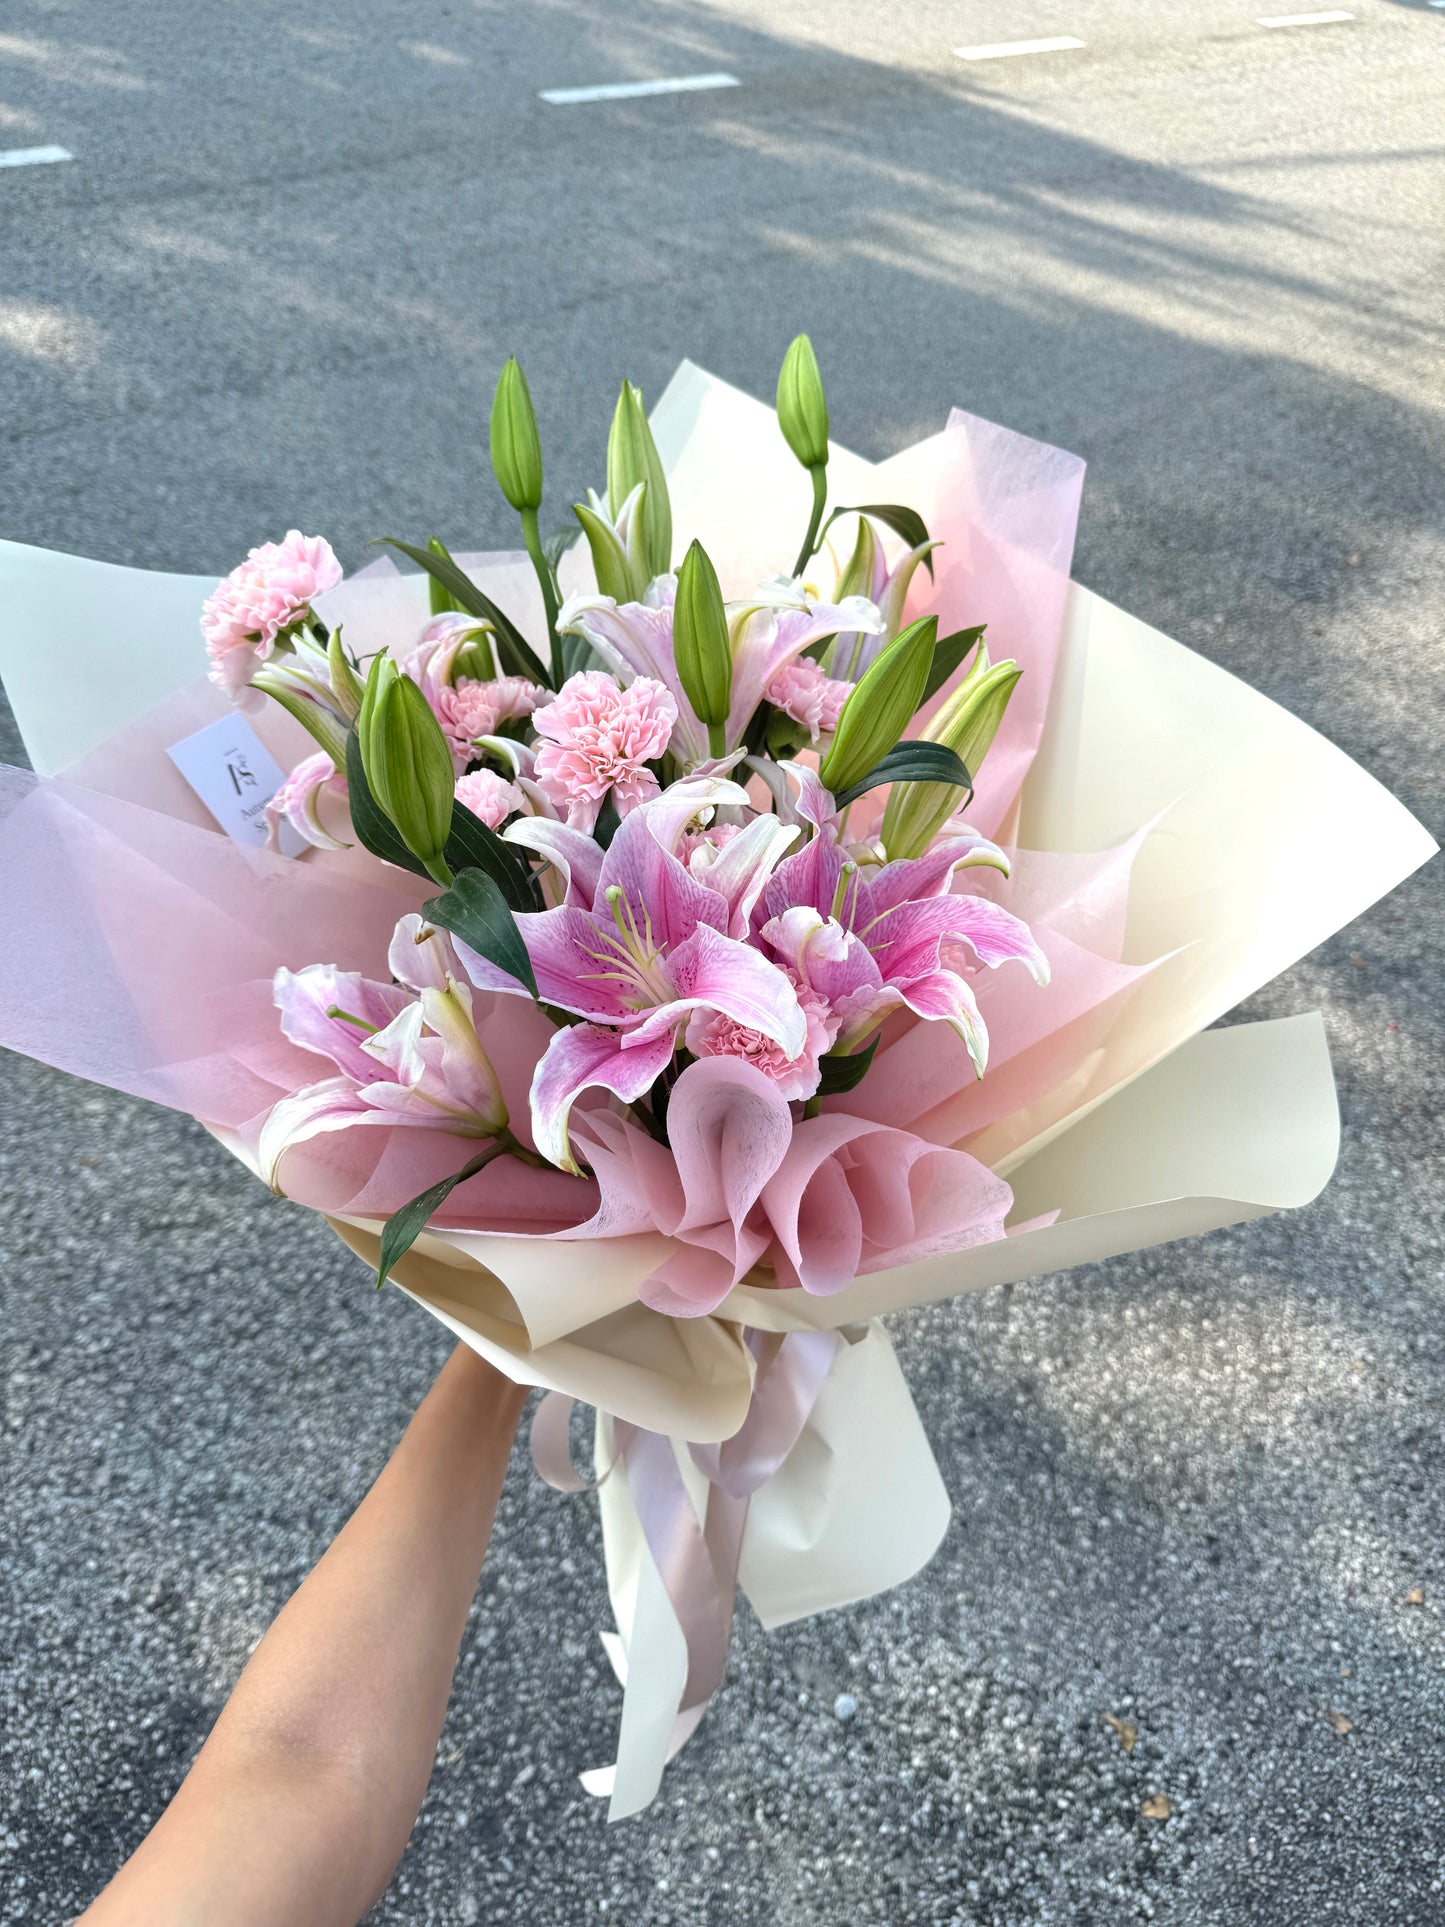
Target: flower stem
717,739
513,1147
533,540
820,502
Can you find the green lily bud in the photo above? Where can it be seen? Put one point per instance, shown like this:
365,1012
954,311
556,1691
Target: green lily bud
346,685
407,763
857,577
967,724
881,706
516,446
700,644
620,574
802,405
632,457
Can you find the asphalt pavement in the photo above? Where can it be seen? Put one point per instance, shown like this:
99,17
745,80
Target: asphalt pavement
1168,1665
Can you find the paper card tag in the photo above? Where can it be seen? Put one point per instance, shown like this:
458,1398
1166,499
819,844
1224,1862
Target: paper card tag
235,776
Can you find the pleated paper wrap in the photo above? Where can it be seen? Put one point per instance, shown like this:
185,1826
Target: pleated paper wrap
1178,840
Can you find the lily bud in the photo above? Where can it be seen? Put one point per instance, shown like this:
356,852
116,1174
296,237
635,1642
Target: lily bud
700,645
346,685
802,405
632,457
967,724
407,762
617,571
880,707
516,446
857,578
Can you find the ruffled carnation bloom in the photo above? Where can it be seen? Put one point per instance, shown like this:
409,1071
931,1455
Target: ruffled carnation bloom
469,710
259,600
490,797
804,691
712,1034
599,737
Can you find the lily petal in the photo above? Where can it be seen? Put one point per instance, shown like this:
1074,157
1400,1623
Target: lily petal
421,955
713,972
905,940
334,1105
766,639
306,998
586,1057
742,867
577,856
298,802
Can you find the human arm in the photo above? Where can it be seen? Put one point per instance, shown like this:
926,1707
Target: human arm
300,1803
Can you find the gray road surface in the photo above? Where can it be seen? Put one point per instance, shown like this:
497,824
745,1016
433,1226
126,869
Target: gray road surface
1192,1488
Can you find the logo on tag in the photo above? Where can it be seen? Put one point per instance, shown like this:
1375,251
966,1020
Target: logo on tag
235,776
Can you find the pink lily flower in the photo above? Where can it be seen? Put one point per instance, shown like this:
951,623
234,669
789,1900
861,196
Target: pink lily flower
767,633
867,942
650,951
298,802
405,1053
432,663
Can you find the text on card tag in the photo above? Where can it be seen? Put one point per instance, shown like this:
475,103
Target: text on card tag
235,776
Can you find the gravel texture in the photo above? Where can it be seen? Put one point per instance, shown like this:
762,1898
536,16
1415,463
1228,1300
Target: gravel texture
1165,1666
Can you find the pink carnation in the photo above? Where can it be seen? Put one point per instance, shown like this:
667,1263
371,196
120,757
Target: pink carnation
469,710
803,691
269,592
598,737
489,796
712,1034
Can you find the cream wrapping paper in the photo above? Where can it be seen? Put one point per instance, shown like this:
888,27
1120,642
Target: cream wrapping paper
1252,839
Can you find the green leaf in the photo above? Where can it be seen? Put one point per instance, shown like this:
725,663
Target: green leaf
473,846
845,1073
516,653
909,762
608,822
902,520
475,910
404,1227
556,545
374,828
441,602
577,655
948,653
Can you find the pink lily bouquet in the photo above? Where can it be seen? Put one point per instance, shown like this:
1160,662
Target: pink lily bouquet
644,832
662,973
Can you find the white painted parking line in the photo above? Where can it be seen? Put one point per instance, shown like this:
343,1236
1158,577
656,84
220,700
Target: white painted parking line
1004,49
1302,19
635,89
32,156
